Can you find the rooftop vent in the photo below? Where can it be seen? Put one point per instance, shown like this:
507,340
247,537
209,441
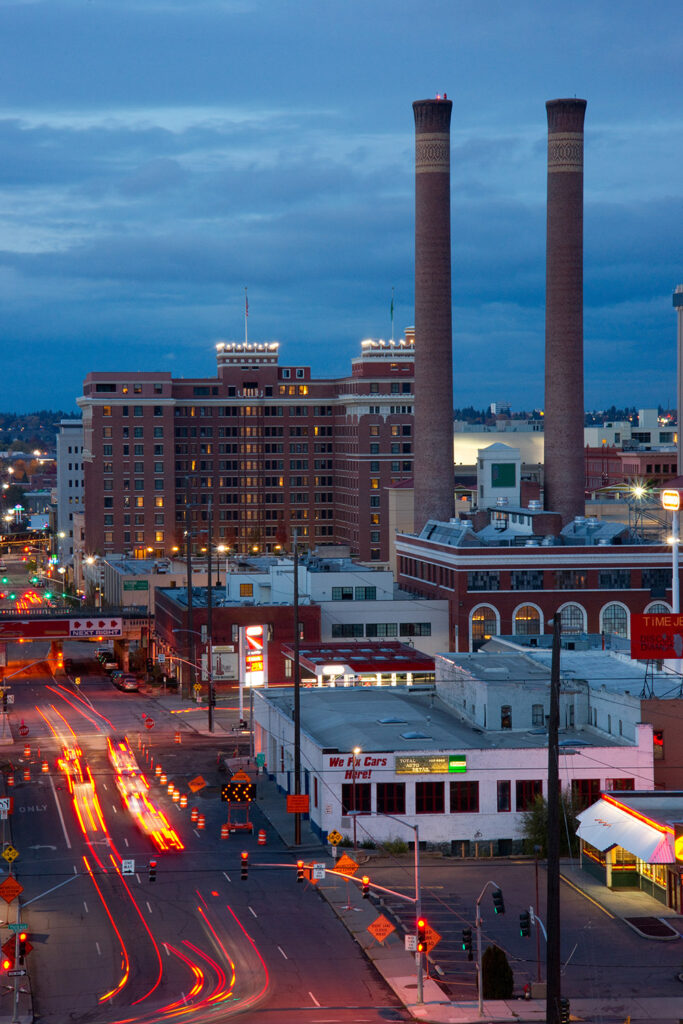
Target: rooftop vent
535,505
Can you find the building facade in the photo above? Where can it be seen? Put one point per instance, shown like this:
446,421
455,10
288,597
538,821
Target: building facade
70,484
270,448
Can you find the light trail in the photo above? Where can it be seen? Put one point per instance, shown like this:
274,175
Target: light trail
125,967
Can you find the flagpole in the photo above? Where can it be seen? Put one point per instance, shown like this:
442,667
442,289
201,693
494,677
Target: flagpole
392,313
246,316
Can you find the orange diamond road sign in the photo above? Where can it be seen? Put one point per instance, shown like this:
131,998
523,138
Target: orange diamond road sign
431,939
9,946
346,865
381,928
197,784
10,889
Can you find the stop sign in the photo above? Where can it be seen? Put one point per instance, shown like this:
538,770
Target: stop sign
23,730
149,722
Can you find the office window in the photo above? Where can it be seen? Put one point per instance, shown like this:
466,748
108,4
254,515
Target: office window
503,794
527,791
464,797
246,589
137,410
342,593
429,798
584,793
537,715
391,798
356,797
527,621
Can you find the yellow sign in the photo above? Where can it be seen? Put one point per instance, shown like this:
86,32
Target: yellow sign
10,854
197,784
334,837
671,500
381,928
197,687
346,865
77,680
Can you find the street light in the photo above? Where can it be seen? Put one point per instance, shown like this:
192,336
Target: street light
356,752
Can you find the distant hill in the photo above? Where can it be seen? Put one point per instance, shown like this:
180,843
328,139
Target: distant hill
31,430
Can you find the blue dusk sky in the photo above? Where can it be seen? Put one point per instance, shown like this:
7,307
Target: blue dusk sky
159,155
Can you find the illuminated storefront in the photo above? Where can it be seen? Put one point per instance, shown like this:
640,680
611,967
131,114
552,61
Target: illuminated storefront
633,840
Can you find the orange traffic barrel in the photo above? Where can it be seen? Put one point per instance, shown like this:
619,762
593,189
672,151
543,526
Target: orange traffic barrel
201,821
45,767
177,737
10,779
194,815
27,750
27,774
175,795
183,800
224,831
163,778
262,837
157,770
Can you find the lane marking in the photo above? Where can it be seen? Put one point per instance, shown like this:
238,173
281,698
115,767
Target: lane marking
86,907
283,952
167,950
314,999
61,816
97,947
227,876
253,911
104,785
148,906
138,878
585,894
125,841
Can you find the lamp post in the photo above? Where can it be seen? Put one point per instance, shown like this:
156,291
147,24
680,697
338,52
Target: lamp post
356,752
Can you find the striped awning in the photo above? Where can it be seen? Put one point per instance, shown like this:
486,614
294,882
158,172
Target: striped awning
604,826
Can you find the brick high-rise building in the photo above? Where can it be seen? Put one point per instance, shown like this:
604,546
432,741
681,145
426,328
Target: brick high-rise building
271,447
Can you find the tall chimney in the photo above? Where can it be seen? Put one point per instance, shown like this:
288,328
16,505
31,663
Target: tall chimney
433,448
564,407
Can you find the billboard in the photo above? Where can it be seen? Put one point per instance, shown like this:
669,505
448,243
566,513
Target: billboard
253,657
654,637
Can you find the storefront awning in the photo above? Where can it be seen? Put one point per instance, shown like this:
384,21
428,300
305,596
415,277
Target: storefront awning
604,825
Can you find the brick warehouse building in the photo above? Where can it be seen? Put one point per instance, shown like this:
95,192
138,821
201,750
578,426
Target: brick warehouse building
270,447
516,590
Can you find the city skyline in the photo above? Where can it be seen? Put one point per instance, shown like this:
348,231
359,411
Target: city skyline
159,157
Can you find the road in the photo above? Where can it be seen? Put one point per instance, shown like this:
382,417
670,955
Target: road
197,943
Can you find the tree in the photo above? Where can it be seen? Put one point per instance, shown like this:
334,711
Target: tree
535,827
497,978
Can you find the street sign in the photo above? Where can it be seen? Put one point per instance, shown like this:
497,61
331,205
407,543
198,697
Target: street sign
260,759
381,928
318,872
6,803
161,658
18,973
77,680
10,698
197,783
149,723
411,943
431,939
334,837
15,926
197,687
10,854
127,867
347,865
23,730
10,889
297,803
9,946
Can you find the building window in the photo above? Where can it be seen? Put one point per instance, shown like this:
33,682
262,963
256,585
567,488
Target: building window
246,589
658,744
365,593
623,785
614,579
106,410
527,621
503,794
527,791
537,715
506,716
615,620
571,579
526,579
391,798
483,580
484,625
584,793
572,619
356,797
342,593
429,798
346,630
464,797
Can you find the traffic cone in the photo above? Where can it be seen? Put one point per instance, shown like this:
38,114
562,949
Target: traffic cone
177,737
201,821
261,837
194,815
224,831
183,800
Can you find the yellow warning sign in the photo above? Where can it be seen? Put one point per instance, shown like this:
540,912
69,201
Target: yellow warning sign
347,865
10,854
381,928
197,784
334,837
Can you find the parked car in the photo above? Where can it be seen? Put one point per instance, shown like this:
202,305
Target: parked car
114,676
127,682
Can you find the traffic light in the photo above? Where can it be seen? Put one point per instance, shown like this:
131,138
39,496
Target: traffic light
150,665
564,1010
299,871
498,903
152,871
244,872
421,934
525,924
467,942
7,963
365,886
22,947
48,594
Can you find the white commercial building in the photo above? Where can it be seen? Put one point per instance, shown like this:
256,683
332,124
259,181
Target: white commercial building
70,492
418,761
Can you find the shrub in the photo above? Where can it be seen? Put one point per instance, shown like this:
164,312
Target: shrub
497,977
396,847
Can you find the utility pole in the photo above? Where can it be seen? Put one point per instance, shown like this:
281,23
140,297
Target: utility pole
297,692
553,980
188,558
209,619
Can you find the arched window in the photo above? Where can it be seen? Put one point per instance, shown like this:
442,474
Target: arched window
657,608
572,619
615,619
527,621
484,625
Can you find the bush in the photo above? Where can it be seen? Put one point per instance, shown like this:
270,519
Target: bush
535,827
497,977
368,844
396,847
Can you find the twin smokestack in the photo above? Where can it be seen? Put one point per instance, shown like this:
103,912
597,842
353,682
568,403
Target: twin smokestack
564,413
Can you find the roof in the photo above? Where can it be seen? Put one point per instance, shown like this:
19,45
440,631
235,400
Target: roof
383,656
388,718
640,822
494,668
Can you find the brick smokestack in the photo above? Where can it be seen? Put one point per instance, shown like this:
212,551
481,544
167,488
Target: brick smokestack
564,406
433,448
